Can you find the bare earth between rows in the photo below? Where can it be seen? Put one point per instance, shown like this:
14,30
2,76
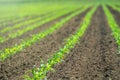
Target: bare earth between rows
13,68
94,57
18,40
116,15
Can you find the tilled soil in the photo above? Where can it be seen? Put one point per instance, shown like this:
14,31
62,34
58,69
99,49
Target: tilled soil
18,40
14,67
94,58
116,15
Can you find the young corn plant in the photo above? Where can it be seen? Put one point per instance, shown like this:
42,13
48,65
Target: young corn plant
30,21
113,25
115,7
40,73
38,24
37,37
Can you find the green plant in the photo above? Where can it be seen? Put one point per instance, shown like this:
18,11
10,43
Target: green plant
40,73
115,7
113,25
31,21
11,51
31,27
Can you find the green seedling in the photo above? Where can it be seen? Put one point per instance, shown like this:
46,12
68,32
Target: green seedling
58,57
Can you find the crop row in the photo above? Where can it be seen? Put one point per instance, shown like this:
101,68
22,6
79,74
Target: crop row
113,25
27,22
26,12
11,51
115,7
33,26
4,21
19,19
40,73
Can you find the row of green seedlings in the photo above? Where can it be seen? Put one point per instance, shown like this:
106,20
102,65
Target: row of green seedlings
6,20
40,73
24,10
20,32
31,27
7,52
115,7
113,25
30,21
7,24
15,19
32,11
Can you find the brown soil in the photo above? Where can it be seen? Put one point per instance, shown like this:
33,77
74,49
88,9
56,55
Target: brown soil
14,67
116,15
94,58
12,42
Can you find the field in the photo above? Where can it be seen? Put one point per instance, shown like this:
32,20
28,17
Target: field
60,40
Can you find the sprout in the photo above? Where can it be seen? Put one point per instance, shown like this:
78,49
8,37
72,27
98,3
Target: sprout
58,56
113,25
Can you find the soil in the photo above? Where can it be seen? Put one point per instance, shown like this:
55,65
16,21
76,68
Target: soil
18,40
94,57
16,66
116,15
